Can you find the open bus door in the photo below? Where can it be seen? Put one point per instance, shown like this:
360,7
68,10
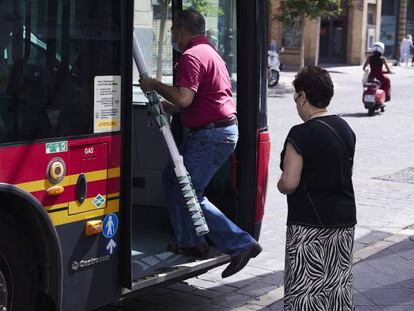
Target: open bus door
68,170
239,187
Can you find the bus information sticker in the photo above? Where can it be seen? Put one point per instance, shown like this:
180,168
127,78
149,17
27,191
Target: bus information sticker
107,104
98,201
110,225
59,146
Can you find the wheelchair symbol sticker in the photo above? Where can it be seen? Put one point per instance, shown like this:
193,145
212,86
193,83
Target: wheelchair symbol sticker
110,225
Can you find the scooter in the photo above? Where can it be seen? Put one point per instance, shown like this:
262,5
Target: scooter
273,65
373,96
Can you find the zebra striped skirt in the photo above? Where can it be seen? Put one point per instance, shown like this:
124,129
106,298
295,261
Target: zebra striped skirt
318,269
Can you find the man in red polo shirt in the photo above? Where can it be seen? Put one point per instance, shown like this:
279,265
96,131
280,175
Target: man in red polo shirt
202,93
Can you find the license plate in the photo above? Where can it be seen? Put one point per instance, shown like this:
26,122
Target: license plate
369,98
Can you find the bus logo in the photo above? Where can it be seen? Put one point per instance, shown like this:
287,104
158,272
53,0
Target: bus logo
60,146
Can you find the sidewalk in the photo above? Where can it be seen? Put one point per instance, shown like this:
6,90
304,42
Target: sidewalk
383,276
385,281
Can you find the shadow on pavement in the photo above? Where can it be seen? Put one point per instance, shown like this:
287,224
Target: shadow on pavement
385,281
280,90
207,295
355,115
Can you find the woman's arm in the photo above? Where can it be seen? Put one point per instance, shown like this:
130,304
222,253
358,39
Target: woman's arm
384,60
292,170
365,64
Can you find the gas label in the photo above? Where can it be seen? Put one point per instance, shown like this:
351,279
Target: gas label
89,150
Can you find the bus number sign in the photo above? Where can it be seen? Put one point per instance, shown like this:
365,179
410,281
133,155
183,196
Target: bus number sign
60,146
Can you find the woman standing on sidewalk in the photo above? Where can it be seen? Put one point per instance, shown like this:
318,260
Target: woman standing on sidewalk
317,162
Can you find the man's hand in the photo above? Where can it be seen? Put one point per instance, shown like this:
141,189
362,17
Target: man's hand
146,84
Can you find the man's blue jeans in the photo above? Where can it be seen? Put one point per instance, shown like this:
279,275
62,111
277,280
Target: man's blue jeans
204,152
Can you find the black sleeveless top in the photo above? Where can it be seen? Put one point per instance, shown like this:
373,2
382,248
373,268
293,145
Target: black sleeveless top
325,195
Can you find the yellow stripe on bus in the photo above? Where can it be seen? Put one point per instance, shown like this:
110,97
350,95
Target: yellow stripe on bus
39,185
113,195
66,204
56,206
62,217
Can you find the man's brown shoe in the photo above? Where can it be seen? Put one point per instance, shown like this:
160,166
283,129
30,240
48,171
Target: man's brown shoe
200,251
240,261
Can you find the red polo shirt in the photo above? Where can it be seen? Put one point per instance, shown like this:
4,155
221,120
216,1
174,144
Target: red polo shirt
202,70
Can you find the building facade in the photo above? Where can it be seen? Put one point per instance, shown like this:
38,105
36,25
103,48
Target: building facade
347,37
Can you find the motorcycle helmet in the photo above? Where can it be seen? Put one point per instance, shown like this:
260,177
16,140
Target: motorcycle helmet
378,47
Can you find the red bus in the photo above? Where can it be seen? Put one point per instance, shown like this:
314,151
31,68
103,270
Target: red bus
82,213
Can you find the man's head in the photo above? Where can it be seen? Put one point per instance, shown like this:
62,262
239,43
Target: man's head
186,25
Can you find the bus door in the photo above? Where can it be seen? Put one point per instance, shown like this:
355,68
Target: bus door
63,86
240,38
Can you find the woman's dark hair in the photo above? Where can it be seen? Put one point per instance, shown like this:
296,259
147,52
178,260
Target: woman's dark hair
317,85
377,54
192,22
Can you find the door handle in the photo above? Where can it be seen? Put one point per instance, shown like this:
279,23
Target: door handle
81,188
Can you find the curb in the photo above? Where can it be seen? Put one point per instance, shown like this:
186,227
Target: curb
276,294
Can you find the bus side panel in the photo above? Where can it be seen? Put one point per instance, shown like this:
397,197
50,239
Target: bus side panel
263,155
90,271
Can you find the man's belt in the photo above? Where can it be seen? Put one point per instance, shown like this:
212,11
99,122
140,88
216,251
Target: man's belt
217,124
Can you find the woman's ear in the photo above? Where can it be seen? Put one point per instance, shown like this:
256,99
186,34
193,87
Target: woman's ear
302,98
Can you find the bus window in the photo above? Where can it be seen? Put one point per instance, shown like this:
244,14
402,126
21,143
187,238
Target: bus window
221,30
50,52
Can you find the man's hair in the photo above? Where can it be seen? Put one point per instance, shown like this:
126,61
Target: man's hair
317,85
192,22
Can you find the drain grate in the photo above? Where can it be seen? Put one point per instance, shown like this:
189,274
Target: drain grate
404,176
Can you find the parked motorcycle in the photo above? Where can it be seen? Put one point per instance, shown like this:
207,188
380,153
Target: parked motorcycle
273,65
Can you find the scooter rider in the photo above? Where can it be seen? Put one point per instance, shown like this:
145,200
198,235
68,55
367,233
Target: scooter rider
376,62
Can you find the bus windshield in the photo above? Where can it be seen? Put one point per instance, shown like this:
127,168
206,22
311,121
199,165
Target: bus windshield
50,53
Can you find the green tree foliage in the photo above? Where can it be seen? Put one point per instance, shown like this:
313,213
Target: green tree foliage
204,7
291,10
294,12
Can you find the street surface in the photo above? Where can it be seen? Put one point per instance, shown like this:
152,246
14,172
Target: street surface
384,188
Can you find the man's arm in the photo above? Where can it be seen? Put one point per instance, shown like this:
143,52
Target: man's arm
179,96
292,170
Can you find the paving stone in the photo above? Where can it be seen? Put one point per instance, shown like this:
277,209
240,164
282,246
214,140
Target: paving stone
232,301
390,296
409,283
256,289
361,300
218,286
373,236
259,272
208,293
394,266
366,276
278,306
181,287
240,280
190,298
398,308
273,279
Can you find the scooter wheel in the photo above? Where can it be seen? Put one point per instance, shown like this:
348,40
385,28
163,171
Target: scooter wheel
371,111
382,109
